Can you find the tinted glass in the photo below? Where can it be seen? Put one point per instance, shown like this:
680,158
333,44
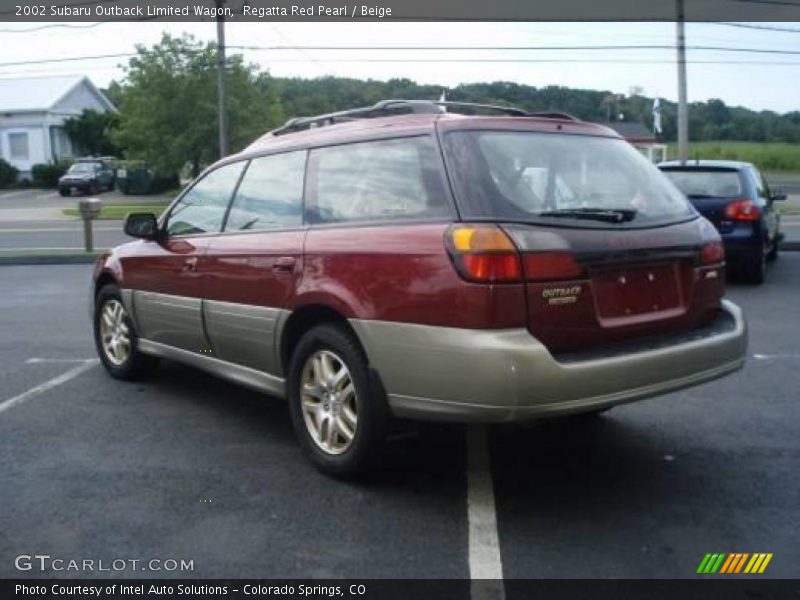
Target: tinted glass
83,167
203,207
270,195
761,187
390,179
521,176
706,183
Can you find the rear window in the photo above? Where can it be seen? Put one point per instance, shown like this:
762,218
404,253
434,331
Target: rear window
527,176
706,183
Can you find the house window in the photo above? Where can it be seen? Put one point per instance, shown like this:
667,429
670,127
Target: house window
18,145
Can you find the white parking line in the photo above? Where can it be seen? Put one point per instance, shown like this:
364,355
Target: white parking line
36,361
47,385
770,356
485,565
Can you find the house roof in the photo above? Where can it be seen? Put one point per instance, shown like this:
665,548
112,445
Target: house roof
37,94
632,130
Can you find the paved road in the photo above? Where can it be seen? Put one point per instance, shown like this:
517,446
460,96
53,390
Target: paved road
60,235
25,208
185,466
32,219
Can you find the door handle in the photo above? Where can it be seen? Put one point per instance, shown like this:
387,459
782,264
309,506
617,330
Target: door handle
284,263
190,264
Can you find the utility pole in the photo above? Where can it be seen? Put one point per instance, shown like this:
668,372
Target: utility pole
683,108
221,97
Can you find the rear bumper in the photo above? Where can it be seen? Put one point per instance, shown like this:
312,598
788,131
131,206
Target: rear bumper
440,373
742,242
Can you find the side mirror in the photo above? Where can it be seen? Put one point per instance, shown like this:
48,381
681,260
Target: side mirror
141,225
777,194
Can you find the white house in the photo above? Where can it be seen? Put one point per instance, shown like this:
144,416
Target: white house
32,115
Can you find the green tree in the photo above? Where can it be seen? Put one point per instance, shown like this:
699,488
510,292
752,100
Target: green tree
92,132
168,105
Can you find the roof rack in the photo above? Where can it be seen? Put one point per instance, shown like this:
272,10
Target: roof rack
385,108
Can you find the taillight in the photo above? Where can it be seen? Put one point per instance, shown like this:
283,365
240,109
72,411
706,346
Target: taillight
549,266
712,253
742,210
484,254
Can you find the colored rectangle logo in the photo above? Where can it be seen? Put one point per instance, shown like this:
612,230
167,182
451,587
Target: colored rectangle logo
731,563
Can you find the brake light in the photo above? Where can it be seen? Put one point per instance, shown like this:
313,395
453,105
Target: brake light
712,253
549,266
484,254
742,210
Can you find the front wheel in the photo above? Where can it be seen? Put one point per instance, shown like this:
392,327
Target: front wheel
339,414
116,339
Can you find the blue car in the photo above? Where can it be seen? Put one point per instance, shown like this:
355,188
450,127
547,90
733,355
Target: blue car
737,200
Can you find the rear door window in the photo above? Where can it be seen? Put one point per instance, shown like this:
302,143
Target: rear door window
377,180
270,195
203,207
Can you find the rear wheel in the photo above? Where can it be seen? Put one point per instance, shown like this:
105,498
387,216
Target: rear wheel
116,339
755,268
339,414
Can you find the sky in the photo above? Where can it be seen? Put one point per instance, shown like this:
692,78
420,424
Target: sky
754,80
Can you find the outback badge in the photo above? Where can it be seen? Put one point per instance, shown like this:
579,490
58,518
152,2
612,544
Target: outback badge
562,295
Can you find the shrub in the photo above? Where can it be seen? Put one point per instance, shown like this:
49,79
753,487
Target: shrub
8,174
46,175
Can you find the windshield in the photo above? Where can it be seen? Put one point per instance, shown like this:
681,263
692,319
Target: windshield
83,168
706,183
525,176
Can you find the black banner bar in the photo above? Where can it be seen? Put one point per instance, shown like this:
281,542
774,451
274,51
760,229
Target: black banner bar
730,588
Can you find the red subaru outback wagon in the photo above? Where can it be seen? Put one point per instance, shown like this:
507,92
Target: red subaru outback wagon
425,260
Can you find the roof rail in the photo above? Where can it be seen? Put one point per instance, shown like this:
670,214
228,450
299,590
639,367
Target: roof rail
554,114
386,108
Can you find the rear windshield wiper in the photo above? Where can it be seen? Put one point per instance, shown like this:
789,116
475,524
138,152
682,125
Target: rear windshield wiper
611,215
700,196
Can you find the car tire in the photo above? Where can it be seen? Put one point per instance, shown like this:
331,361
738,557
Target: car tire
755,269
64,193
113,328
772,255
93,189
342,424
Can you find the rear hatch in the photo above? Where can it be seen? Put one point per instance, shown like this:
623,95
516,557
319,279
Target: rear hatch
709,189
591,287
610,251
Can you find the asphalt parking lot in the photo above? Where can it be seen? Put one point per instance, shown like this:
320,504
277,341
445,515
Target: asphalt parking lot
184,466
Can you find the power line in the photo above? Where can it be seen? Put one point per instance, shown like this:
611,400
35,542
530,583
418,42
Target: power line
759,27
429,48
770,2
489,61
65,59
53,26
522,48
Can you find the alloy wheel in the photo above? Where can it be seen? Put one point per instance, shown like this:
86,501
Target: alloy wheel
114,332
328,402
